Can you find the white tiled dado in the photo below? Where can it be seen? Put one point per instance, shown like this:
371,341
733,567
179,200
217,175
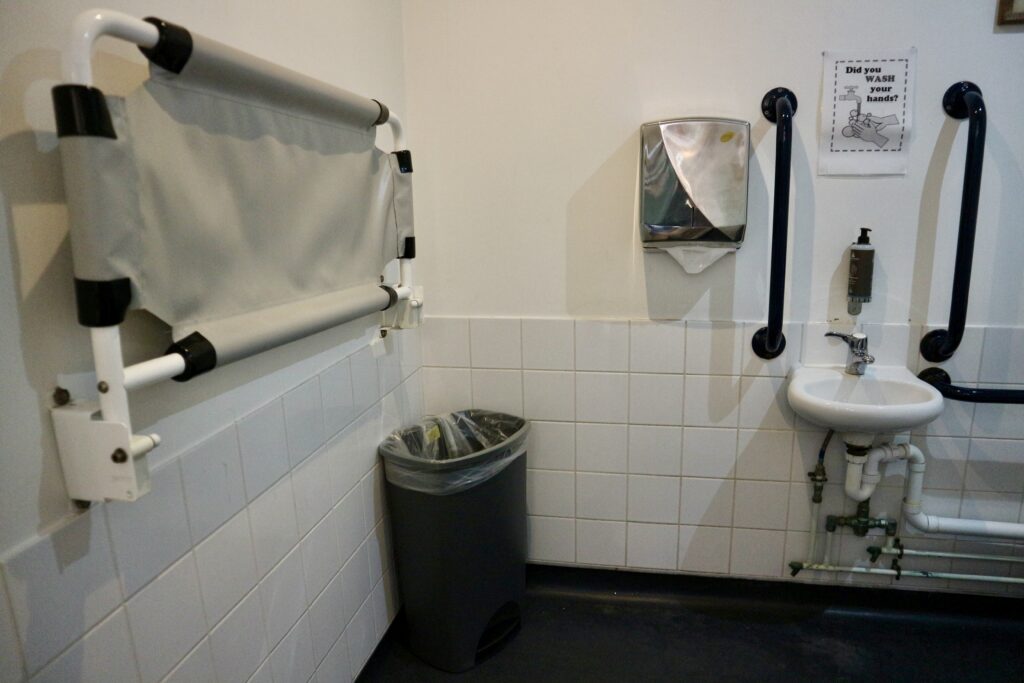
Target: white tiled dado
222,570
669,446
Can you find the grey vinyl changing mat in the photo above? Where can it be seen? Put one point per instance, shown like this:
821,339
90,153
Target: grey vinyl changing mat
220,200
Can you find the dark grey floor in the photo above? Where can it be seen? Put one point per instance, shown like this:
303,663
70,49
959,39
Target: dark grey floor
587,625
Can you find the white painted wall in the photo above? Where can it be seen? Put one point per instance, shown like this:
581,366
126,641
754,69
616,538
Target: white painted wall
525,120
355,44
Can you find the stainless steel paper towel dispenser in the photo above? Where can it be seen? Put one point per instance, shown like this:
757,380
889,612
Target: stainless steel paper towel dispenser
694,179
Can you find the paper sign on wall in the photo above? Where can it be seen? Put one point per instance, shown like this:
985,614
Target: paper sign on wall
867,105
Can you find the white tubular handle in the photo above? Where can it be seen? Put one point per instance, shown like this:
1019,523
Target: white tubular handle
397,132
89,26
153,371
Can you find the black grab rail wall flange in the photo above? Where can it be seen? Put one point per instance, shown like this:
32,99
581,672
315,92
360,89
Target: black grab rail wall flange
962,101
778,106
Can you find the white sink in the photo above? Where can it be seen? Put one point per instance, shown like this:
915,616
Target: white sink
884,400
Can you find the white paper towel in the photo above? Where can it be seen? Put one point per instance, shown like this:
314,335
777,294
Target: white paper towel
695,259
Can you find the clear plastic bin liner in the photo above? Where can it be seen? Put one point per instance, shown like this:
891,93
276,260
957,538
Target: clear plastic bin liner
445,454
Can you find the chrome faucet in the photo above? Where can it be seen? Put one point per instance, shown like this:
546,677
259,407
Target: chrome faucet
858,356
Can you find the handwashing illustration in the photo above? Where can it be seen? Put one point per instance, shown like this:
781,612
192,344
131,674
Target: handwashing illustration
867,127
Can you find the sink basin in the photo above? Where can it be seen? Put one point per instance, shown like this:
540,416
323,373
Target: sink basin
884,400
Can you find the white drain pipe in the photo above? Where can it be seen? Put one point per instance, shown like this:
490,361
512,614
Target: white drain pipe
917,518
862,477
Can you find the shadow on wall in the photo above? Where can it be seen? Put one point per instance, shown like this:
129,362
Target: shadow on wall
602,249
1006,237
928,221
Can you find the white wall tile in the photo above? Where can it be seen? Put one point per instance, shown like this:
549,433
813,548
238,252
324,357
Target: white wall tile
781,364
652,546
764,454
61,586
655,450
892,344
347,463
212,476
656,399
362,637
365,380
995,465
1001,421
551,539
996,507
601,542
283,596
197,667
327,617
355,577
550,493
602,397
495,343
1002,356
239,643
658,347
372,487
821,350
336,667
706,502
378,602
102,656
263,447
709,452
653,499
549,395
714,348
12,667
946,461
761,504
551,445
349,523
274,529
389,365
704,549
498,390
763,403
292,659
446,390
711,401
600,496
304,420
758,552
314,491
337,397
602,345
410,350
166,619
548,344
445,342
227,567
263,674
955,420
321,557
152,532
800,505
601,448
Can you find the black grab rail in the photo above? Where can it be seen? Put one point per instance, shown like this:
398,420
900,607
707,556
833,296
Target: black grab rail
939,379
778,106
962,100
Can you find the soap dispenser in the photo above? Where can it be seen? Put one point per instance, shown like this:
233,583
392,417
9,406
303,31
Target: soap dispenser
862,266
